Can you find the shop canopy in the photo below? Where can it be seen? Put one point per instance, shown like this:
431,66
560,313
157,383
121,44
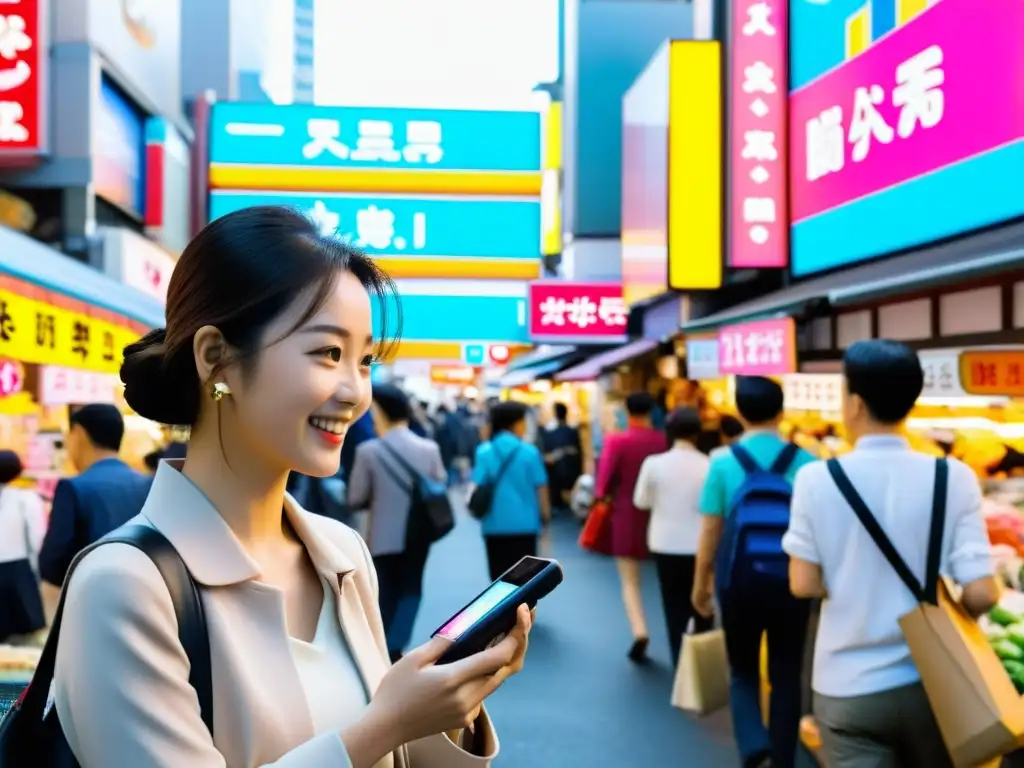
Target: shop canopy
26,259
592,368
973,257
544,353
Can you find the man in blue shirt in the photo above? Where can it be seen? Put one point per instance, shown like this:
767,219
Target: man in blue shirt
775,611
521,503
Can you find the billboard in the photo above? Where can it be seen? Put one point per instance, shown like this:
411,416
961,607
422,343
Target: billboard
672,172
565,311
434,233
119,150
23,80
759,219
905,124
307,148
760,348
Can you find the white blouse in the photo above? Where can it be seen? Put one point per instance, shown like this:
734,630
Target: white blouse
22,524
330,679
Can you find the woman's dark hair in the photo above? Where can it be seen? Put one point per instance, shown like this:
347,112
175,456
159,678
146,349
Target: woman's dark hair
10,467
639,404
758,399
506,415
683,424
393,401
731,426
887,376
239,274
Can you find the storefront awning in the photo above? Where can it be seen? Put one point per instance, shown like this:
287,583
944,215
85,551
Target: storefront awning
542,354
26,259
977,256
590,369
532,373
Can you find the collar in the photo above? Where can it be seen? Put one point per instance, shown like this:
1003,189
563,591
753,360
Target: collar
763,432
211,551
890,442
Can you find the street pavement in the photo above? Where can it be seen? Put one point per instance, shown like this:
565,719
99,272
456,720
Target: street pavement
579,701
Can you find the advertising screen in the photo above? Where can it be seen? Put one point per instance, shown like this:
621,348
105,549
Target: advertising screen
904,121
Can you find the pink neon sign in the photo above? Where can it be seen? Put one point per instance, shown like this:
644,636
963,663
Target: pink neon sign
762,348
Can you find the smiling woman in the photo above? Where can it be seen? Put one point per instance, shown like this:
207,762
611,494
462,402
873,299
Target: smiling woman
267,356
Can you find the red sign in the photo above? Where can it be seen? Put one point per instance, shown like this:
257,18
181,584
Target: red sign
12,378
995,373
763,348
499,354
759,93
561,310
23,55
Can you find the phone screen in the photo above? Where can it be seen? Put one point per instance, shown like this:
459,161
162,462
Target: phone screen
518,576
476,610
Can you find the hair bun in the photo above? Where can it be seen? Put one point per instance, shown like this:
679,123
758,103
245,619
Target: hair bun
157,387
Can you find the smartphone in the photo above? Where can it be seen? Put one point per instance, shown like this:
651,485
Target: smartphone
492,615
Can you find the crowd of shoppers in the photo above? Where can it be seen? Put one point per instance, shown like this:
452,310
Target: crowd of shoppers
754,536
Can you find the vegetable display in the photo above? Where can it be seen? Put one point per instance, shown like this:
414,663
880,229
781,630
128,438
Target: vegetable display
1004,629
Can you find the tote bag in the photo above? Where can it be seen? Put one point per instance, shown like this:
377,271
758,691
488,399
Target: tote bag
977,707
701,684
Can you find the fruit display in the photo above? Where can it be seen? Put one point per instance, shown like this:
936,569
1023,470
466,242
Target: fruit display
1004,628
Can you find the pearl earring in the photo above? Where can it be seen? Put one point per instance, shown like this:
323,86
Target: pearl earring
220,389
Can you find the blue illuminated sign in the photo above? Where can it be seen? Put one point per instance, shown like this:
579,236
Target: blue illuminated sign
387,225
464,311
119,150
375,138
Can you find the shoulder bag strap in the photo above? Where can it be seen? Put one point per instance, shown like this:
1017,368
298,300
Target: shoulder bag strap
505,465
785,459
745,459
415,476
874,530
938,528
188,609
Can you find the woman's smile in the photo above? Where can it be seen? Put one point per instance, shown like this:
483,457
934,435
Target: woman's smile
331,430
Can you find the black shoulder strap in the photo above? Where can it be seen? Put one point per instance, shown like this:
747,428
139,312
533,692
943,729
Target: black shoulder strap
785,459
929,592
745,459
504,465
413,472
188,609
938,528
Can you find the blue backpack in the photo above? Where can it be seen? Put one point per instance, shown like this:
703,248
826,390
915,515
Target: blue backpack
750,555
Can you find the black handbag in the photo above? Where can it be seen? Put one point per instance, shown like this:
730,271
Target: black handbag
482,498
430,510
31,736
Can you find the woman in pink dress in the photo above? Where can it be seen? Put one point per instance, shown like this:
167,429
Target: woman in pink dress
617,472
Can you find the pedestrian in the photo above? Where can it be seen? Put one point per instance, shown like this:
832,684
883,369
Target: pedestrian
22,524
868,700
731,428
560,445
105,495
748,483
669,485
617,471
267,354
386,470
521,504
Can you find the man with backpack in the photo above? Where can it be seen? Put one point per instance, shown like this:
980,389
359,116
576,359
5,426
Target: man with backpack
745,505
882,496
401,479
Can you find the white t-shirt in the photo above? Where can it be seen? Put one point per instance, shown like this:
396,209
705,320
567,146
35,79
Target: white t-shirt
22,524
669,485
860,649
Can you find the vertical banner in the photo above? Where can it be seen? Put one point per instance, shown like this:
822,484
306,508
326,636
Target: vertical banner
24,53
758,100
695,166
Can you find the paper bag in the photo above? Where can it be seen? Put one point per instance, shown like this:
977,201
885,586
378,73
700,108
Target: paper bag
702,675
978,710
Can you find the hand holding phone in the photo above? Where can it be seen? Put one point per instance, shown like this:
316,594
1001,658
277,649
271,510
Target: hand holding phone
418,697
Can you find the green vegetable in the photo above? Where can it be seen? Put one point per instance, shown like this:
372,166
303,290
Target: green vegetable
1008,650
1004,617
1013,667
995,632
1015,634
1018,680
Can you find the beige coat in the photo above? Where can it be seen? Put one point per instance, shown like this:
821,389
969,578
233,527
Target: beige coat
121,687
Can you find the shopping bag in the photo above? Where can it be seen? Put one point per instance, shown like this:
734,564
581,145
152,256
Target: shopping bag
702,674
977,707
596,533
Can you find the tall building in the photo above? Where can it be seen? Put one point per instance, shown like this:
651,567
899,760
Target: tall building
304,90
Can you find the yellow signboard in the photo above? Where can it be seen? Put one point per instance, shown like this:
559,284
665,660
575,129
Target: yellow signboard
695,216
33,331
